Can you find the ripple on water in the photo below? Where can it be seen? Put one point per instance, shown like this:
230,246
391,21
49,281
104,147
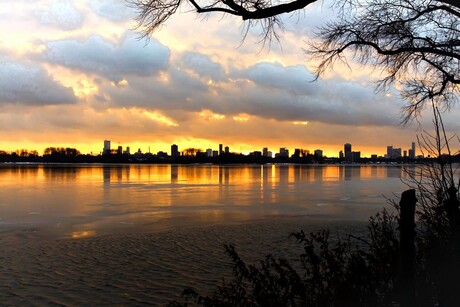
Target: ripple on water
139,268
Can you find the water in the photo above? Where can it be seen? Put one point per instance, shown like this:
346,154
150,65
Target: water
89,200
135,234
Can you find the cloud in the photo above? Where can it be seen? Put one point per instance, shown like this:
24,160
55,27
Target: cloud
203,66
267,90
60,14
29,84
112,61
114,10
288,93
294,79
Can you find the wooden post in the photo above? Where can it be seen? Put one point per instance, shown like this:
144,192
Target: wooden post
407,247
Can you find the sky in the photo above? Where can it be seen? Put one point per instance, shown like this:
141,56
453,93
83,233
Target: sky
76,73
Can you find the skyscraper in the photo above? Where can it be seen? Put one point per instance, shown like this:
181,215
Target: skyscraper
106,149
389,152
265,152
318,153
347,150
174,151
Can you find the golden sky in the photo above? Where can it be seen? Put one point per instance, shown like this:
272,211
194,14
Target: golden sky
74,73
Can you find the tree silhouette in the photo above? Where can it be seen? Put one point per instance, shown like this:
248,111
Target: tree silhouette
415,43
154,13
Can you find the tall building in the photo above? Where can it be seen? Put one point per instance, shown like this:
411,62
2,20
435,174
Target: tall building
221,149
227,150
347,150
412,151
106,149
390,152
284,153
318,153
265,152
355,156
174,151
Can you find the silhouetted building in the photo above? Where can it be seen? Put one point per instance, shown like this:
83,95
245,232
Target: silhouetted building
347,150
390,152
175,151
412,151
120,150
227,150
296,153
162,155
318,153
106,149
284,153
209,152
341,155
221,151
265,152
355,156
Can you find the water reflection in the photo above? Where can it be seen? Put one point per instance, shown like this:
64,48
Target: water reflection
90,198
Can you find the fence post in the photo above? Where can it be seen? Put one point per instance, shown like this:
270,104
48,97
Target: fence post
407,247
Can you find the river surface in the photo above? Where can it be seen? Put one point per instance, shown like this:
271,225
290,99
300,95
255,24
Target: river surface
138,234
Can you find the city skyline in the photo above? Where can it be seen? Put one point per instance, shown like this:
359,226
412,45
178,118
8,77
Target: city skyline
83,75
347,153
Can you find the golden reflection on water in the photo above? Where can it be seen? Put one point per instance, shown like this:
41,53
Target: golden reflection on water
83,234
154,194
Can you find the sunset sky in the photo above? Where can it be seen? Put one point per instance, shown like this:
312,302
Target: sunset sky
74,73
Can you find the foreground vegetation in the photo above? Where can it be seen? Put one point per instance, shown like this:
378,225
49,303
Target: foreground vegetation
403,261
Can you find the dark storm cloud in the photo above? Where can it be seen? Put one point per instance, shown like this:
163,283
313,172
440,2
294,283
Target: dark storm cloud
112,61
29,84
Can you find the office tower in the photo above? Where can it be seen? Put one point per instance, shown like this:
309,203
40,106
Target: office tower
221,151
265,152
209,152
318,153
106,149
347,150
390,152
284,153
120,150
412,151
355,156
227,150
174,151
